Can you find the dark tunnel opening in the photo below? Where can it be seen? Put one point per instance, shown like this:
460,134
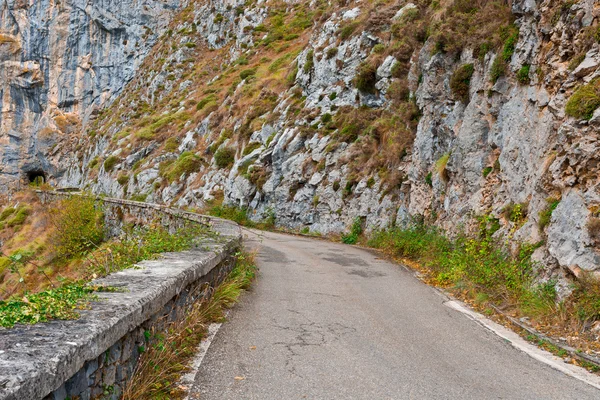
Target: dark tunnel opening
36,177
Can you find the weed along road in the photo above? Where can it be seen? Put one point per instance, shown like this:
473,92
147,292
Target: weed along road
331,321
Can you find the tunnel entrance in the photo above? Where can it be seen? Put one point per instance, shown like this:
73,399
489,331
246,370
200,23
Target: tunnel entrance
36,177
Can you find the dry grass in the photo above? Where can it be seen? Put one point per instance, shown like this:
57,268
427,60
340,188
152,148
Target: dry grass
169,352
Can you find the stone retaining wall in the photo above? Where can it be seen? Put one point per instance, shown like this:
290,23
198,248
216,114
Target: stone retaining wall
93,356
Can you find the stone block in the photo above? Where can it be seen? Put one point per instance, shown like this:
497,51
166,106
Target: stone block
108,375
76,384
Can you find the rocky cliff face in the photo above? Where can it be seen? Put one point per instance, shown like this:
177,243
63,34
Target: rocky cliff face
60,63
316,114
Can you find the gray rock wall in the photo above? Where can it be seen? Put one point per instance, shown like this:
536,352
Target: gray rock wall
60,64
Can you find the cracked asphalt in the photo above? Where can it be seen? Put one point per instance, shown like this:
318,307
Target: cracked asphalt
330,321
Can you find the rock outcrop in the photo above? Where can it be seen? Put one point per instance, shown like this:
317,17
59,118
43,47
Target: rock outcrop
61,62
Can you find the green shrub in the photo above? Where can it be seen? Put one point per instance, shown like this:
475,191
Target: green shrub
224,157
584,101
187,163
19,217
247,73
578,59
171,145
429,179
472,262
123,179
309,62
349,133
250,147
110,163
460,82
378,48
366,77
486,171
7,212
326,118
510,36
78,227
355,232
347,30
205,101
546,214
93,162
498,69
332,52
523,74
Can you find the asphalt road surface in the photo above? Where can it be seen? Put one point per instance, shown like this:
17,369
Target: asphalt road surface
330,321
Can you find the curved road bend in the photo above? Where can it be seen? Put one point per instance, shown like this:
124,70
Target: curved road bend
330,321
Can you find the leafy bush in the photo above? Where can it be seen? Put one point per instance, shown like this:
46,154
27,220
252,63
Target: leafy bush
546,213
123,179
584,101
309,62
510,36
211,98
472,262
58,303
187,163
110,163
355,231
78,226
523,74
461,82
224,157
247,73
498,68
378,48
366,77
347,30
19,216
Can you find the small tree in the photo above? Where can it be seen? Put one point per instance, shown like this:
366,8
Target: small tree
78,226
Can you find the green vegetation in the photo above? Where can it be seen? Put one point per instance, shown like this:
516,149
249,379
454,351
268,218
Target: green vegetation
76,240
110,163
355,231
224,157
187,163
331,52
14,217
78,226
469,264
247,73
429,179
584,101
546,214
58,303
486,171
240,216
498,69
378,48
123,179
347,30
207,101
366,77
156,124
460,82
523,74
168,353
577,59
309,62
